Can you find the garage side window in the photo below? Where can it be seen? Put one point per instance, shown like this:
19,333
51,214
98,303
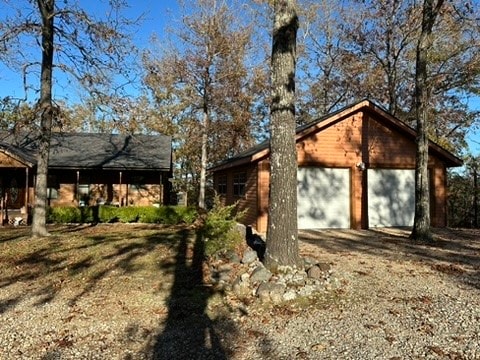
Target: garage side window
222,185
239,182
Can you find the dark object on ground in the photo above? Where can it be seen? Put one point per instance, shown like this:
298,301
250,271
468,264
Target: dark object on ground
255,242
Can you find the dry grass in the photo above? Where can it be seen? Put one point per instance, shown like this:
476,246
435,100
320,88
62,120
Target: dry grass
132,288
83,256
117,277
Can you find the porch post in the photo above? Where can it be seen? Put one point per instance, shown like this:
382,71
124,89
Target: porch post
26,191
120,201
160,192
76,188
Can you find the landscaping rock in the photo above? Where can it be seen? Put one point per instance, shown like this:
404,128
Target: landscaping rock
289,295
315,272
269,291
241,229
241,286
260,274
233,257
309,262
325,267
249,256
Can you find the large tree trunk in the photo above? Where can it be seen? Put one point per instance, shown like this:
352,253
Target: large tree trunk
46,8
421,225
282,233
204,160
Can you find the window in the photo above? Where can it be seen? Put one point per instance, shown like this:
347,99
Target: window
52,187
83,194
239,181
52,193
222,185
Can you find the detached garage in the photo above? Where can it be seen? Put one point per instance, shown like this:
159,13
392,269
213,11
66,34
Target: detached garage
323,196
355,170
391,197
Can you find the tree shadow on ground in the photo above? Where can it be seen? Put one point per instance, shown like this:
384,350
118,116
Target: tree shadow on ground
455,252
86,259
189,332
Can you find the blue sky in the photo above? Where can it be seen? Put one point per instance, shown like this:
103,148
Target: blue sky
157,15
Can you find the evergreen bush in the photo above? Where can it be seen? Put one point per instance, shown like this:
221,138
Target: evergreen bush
219,229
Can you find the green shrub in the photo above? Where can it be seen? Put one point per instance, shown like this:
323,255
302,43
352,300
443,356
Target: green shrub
219,229
64,215
128,214
148,215
87,214
169,215
187,214
107,214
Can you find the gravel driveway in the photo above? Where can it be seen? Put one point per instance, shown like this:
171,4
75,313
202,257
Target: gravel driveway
397,300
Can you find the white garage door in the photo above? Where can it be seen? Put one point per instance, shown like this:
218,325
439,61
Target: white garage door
391,197
323,198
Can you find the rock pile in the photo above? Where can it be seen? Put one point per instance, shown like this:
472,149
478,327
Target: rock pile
247,277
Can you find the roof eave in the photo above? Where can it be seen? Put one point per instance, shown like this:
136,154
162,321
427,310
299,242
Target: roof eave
58,167
19,158
450,159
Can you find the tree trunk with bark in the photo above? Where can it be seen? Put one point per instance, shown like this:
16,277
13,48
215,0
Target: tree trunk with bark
282,233
204,159
421,225
45,108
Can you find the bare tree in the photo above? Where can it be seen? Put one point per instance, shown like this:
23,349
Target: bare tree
282,233
46,9
88,50
369,51
203,91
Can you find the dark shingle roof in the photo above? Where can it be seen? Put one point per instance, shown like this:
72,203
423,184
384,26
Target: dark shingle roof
100,151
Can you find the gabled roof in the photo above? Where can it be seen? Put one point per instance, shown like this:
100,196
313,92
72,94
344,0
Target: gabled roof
95,151
262,150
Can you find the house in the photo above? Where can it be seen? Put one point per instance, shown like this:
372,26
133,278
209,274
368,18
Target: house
86,169
355,170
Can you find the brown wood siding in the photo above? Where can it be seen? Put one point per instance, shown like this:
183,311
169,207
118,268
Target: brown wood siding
344,143
8,162
247,202
336,146
388,148
263,181
438,194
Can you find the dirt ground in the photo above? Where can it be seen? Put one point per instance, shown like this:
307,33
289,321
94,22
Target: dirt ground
137,291
456,248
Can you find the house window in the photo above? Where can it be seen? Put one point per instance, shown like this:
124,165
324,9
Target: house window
222,185
83,194
52,187
239,181
52,193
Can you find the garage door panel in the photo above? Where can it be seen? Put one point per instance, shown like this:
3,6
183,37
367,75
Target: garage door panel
391,197
323,198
